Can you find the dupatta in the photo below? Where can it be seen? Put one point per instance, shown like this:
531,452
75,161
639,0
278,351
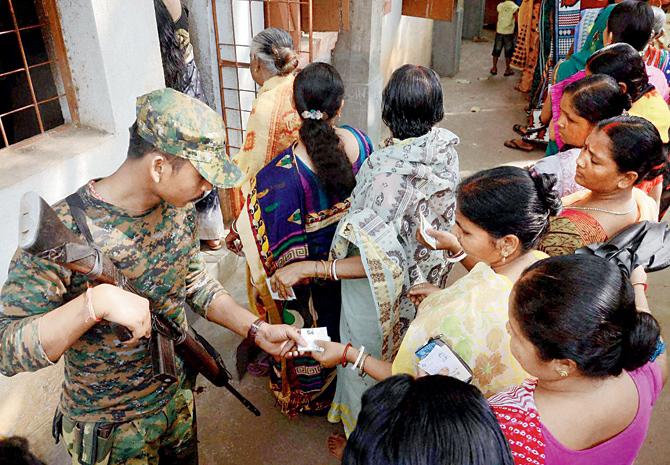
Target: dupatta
273,125
394,186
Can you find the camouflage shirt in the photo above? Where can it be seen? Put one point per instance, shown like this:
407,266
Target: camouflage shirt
105,380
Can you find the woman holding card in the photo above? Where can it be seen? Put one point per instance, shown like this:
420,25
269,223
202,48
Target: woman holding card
294,204
375,251
501,215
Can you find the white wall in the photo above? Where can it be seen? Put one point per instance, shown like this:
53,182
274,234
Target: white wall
113,51
405,39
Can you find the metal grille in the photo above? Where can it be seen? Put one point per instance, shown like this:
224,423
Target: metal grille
235,24
36,92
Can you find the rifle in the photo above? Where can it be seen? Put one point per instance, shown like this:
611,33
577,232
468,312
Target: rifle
43,234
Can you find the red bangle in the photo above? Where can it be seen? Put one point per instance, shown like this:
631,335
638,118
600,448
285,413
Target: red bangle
344,354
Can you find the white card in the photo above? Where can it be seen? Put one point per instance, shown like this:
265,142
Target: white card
441,357
424,226
311,335
275,296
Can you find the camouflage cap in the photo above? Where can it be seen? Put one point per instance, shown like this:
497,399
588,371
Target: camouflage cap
185,127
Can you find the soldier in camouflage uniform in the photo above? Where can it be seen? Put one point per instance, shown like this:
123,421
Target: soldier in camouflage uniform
142,217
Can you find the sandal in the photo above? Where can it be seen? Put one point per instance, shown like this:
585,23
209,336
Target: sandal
508,72
493,71
518,144
520,129
523,130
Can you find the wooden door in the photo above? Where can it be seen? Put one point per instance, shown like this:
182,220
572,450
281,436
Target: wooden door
442,10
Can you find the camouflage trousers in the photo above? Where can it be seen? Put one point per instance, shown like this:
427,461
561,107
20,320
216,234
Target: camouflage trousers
168,437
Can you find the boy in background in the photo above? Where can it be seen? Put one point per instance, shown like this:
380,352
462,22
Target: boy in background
507,10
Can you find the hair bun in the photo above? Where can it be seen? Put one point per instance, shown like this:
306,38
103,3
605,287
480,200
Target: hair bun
641,341
285,59
546,190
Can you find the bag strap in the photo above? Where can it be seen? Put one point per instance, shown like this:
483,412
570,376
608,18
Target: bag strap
77,208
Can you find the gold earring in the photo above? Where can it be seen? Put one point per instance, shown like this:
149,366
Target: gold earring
563,373
504,256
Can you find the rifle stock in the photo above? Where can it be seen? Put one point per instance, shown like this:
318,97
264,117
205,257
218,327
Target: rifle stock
43,234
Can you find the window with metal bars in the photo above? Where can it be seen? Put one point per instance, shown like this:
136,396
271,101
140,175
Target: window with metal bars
36,93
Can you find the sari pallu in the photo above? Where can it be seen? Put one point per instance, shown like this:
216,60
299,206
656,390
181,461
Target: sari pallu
395,185
290,218
574,229
273,125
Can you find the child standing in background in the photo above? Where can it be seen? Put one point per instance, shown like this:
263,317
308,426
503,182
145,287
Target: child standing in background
504,35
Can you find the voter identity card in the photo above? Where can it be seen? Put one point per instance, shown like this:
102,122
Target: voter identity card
311,335
424,226
275,296
436,355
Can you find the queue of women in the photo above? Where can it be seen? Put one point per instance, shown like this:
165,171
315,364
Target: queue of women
566,357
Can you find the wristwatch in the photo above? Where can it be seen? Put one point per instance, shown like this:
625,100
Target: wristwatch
253,330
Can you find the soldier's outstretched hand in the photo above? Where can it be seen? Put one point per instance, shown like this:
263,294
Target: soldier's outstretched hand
278,340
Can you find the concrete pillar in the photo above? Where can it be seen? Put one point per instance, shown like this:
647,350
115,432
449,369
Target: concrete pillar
201,26
357,57
473,18
447,43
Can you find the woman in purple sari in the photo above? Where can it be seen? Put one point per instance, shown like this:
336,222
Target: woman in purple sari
294,206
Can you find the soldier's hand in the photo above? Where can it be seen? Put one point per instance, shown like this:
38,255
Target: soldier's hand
115,305
278,340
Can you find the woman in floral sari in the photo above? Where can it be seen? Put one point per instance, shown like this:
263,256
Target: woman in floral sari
293,207
620,153
375,252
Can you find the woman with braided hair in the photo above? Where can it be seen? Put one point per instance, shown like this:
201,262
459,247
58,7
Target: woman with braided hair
292,210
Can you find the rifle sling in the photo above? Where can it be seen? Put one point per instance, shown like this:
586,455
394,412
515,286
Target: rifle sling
76,205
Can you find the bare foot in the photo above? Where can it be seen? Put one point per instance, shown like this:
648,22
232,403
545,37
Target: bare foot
336,444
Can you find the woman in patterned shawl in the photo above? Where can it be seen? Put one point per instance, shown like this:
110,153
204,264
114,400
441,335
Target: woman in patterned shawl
292,210
620,152
375,251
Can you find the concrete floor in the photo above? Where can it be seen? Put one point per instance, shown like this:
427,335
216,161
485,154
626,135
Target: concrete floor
481,111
